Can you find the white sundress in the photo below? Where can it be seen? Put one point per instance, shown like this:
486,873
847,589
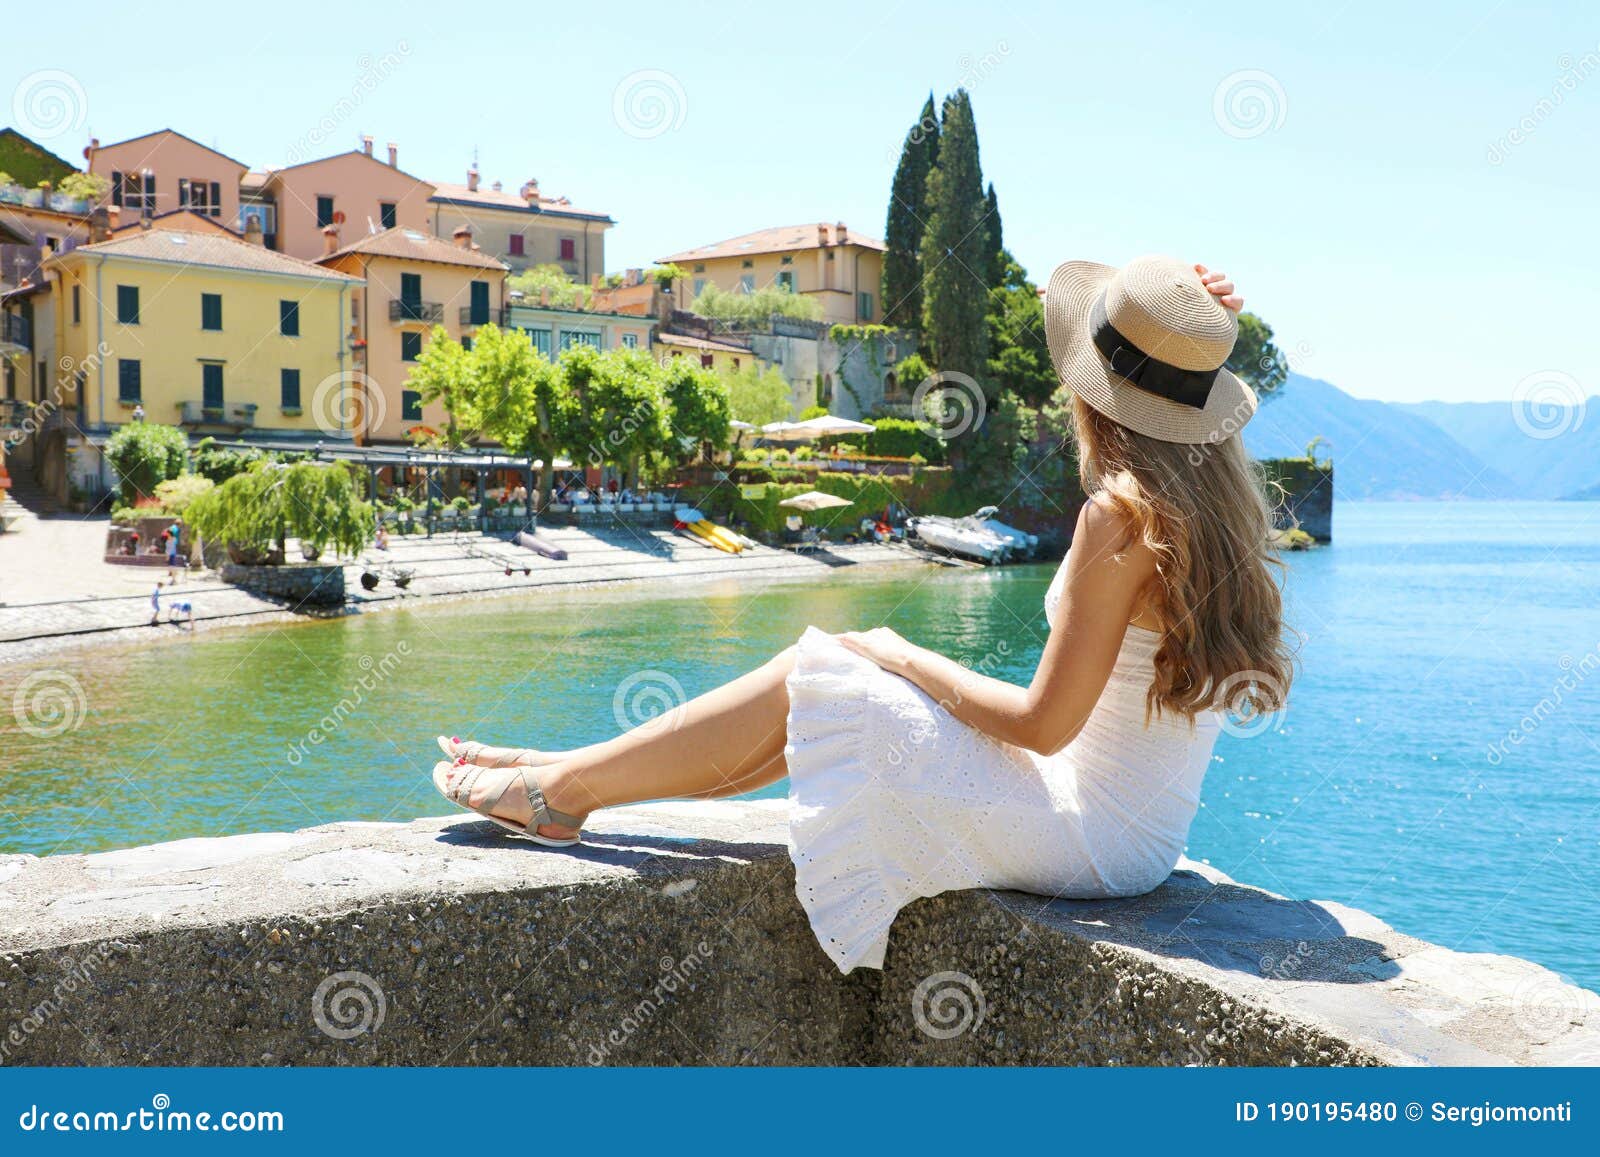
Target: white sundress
892,798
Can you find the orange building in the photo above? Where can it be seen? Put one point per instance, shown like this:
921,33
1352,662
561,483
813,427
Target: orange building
413,282
165,171
354,191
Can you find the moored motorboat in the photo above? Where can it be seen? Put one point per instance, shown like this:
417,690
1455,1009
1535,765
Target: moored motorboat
955,536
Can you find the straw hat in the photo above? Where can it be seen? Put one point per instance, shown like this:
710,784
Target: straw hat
1144,345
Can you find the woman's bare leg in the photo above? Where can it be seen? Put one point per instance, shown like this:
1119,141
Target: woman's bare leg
725,742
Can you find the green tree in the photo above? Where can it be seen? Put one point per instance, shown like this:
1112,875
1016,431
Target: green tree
903,229
698,411
143,454
757,306
1019,358
444,374
622,410
531,282
955,256
757,395
994,240
1256,358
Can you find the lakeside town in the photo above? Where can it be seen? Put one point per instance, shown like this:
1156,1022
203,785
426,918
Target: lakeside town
338,383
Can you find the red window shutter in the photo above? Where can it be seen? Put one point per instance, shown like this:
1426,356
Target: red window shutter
569,249
516,245
707,361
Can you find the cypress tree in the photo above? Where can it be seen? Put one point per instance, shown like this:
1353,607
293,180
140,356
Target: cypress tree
956,257
902,233
998,258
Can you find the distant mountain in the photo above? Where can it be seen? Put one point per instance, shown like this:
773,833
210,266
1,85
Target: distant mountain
1565,464
1379,450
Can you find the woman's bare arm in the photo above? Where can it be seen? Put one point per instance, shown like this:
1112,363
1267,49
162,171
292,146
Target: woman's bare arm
1105,575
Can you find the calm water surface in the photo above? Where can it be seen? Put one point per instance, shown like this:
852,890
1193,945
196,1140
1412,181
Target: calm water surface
1439,764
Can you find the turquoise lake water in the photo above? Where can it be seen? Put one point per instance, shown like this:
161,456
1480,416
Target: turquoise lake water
1439,764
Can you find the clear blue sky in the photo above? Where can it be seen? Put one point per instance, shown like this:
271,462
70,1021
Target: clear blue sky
1370,226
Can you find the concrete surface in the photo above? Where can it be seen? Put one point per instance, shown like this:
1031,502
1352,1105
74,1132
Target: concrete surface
673,937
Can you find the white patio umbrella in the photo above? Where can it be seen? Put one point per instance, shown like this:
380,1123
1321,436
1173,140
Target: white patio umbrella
738,425
814,500
825,425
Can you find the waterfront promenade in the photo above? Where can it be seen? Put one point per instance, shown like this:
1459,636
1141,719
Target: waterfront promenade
58,591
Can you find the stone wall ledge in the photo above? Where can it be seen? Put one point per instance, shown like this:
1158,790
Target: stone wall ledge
673,937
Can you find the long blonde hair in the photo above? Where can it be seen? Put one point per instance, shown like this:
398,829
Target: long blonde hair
1203,512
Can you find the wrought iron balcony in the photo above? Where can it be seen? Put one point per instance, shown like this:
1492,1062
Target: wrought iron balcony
403,310
239,415
470,316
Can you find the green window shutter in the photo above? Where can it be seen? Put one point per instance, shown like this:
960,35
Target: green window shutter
289,318
130,382
289,388
410,347
411,288
324,211
211,311
480,303
128,304
386,215
211,385
410,406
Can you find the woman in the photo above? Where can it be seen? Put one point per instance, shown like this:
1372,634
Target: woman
910,774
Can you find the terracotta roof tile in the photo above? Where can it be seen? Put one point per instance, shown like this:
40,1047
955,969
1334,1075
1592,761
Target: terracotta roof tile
781,239
217,249
500,199
700,343
418,246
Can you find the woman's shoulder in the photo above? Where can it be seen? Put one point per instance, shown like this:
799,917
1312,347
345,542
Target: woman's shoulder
1108,533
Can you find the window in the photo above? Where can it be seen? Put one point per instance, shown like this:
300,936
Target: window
785,280
411,288
128,304
324,211
466,343
134,190
630,341
77,305
211,385
786,259
747,283
699,286
570,338
289,389
130,383
747,264
410,406
515,245
410,347
864,306
289,318
569,249
707,361
204,197
700,267
539,339
386,217
211,311
264,214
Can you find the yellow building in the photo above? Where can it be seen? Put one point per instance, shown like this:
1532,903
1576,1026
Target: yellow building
412,281
525,228
841,270
197,329
710,353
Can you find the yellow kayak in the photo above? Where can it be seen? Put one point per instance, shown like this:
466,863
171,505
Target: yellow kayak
716,536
